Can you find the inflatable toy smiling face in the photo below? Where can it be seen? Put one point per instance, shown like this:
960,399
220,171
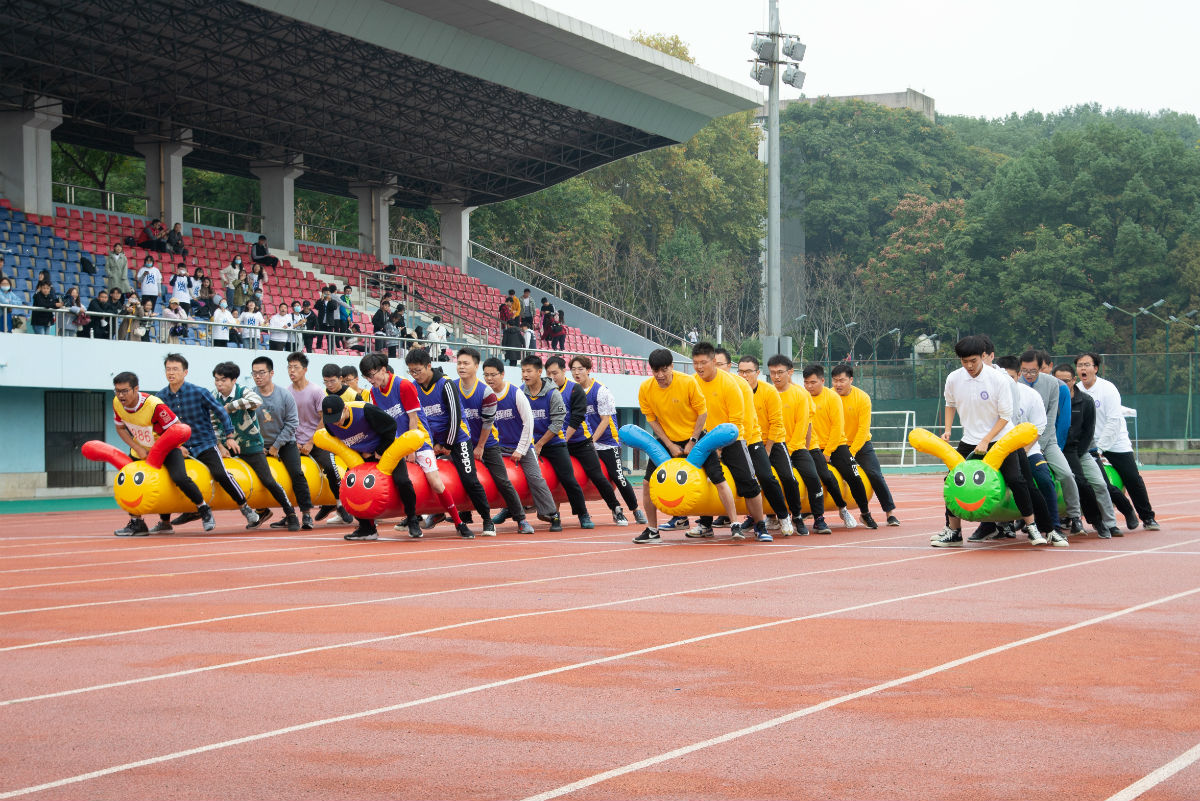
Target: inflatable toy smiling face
678,487
367,492
139,486
973,490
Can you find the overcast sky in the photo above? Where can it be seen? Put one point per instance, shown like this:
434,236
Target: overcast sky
980,58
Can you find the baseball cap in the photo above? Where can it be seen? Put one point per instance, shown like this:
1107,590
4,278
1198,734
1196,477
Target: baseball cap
331,410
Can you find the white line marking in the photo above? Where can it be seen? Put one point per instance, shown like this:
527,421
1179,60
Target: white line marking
1158,776
626,655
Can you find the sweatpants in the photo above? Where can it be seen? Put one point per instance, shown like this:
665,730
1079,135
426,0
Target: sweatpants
844,463
778,456
1089,505
1044,479
868,463
211,459
464,464
543,499
258,463
176,466
609,457
1066,477
560,462
289,454
1126,467
803,462
1096,479
771,491
589,460
328,465
493,460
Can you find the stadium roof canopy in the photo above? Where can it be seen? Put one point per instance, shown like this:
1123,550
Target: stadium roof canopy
457,101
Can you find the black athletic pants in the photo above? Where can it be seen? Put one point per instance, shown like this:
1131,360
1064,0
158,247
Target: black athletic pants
176,467
560,461
464,464
844,463
585,452
1126,467
328,465
827,478
1088,503
617,476
258,463
493,460
803,462
771,491
289,454
868,463
787,479
211,458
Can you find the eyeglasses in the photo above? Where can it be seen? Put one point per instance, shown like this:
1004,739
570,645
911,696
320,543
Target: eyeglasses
259,372
1029,371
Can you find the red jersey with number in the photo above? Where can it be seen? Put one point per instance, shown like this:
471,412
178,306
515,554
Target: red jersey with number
145,421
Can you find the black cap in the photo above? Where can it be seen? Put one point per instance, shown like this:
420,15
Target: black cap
331,410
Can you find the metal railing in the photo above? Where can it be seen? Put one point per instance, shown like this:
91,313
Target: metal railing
415,250
423,300
596,306
105,198
327,235
223,218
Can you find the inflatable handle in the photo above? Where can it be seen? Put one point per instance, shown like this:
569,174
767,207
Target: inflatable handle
406,443
638,437
328,442
719,437
930,443
98,451
1021,436
171,437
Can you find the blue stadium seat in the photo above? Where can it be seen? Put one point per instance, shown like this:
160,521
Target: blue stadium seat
72,245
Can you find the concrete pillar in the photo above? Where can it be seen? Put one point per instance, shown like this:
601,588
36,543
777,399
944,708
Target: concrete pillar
455,226
164,174
374,226
25,155
277,188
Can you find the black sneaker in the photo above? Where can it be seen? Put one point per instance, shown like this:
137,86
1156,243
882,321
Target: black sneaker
414,528
207,519
250,515
585,521
292,522
985,532
464,532
1150,524
892,520
306,522
346,516
185,518
1076,526
720,522
820,526
136,527
1131,520
675,524
432,520
362,534
162,527
500,518
263,516
798,525
868,521
647,535
1105,533
949,538
1116,532
555,523
265,513
324,512
735,531
489,529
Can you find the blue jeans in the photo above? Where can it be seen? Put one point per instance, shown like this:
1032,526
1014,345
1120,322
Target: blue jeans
42,329
1045,484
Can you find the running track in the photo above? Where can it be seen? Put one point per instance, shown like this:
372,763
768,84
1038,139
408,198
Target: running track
864,665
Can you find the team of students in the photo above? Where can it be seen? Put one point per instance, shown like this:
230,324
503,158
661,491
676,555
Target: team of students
780,426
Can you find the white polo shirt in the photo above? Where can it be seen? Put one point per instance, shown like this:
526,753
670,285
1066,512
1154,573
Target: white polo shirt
980,401
1112,434
1030,409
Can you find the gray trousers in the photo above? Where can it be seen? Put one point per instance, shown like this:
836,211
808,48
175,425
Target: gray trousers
1091,471
543,500
493,460
1062,471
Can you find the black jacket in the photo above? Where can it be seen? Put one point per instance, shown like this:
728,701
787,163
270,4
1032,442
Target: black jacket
50,301
1083,422
512,339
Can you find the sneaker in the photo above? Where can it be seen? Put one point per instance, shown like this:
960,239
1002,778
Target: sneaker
489,529
847,518
207,520
306,522
1076,527
265,513
525,527
1006,531
263,516
500,518
556,523
619,516
647,535
785,526
820,526
773,523
347,518
798,525
1035,536
414,528
162,527
699,532
250,515
136,527
986,531
464,532
674,524
761,534
747,522
1150,524
362,534
721,522
639,517
585,521
949,538
293,522
1104,533
892,520
324,512
185,518
735,531
1131,520
868,521
432,520
1116,532
1057,540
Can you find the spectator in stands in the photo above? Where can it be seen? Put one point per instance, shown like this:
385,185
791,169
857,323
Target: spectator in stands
150,327
308,323
515,303
153,237
527,340
437,337
101,327
394,331
251,337
693,336
513,342
242,293
381,317
149,281
175,317
345,310
283,320
230,275
74,305
260,254
557,335
505,312
9,297
357,343
545,313
182,287
527,306
174,240
131,319
204,305
326,309
116,268
2,273
44,299
258,281
222,315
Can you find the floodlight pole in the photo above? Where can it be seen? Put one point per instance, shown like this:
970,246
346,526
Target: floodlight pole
770,338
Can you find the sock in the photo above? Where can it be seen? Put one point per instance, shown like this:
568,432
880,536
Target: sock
448,505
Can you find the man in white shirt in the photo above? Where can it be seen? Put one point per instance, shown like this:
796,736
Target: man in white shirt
149,281
182,286
982,398
513,424
1112,442
436,335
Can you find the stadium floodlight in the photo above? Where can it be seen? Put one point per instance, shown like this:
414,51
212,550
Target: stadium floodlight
764,74
763,47
793,48
792,76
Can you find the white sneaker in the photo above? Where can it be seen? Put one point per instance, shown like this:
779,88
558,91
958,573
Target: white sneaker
1058,540
785,527
773,523
1035,536
847,518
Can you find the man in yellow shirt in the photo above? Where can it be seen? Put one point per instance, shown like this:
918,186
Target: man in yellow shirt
726,404
676,412
830,447
797,409
856,408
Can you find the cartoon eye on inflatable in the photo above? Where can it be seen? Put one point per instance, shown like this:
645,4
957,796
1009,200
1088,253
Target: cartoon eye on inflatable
139,477
979,477
662,476
120,479
959,479
681,477
350,479
368,481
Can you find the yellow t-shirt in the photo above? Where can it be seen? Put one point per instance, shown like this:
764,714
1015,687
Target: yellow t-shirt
676,407
726,404
769,411
829,425
856,411
750,422
797,407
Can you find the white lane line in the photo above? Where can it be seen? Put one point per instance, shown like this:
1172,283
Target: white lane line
600,661
1157,777
641,764
370,601
125,545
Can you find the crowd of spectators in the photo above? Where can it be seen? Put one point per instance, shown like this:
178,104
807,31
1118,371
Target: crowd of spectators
518,318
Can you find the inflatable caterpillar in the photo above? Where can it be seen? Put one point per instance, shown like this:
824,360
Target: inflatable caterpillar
680,486
974,489
367,490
